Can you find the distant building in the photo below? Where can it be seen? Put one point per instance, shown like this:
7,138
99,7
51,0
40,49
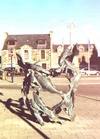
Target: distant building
85,55
88,56
32,48
39,47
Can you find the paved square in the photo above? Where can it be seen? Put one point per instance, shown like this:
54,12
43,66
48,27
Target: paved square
14,124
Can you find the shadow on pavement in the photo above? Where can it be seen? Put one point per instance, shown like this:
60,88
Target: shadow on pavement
1,93
88,97
15,108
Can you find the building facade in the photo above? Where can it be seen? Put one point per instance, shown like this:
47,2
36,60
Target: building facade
32,48
88,55
40,48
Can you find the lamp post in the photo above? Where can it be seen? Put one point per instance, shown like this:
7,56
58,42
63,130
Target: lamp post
71,25
12,75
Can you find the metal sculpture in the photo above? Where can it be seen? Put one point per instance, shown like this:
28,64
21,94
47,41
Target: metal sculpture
38,78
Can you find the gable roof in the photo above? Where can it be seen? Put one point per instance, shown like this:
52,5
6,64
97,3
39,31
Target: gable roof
29,39
55,46
86,46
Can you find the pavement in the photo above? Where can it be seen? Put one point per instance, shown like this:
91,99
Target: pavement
18,124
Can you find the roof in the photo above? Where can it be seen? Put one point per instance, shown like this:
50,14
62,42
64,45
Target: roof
29,39
55,46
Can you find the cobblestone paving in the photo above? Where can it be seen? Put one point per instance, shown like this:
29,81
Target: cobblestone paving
16,124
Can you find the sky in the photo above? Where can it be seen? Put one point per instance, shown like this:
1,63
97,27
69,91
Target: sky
41,16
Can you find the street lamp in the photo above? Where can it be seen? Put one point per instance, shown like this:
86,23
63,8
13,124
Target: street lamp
71,25
12,75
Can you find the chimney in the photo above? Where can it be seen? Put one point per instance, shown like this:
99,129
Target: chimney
51,47
51,37
5,35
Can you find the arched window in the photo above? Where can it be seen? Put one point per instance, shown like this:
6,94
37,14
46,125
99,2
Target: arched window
26,54
81,50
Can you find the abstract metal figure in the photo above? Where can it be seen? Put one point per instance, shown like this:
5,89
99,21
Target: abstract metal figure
37,108
66,59
37,77
35,72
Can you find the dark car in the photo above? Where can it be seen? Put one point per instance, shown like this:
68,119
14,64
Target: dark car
1,70
10,70
53,72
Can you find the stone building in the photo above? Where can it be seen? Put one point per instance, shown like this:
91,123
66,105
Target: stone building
86,55
39,47
32,48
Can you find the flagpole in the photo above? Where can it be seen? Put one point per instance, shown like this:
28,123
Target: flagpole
88,54
71,25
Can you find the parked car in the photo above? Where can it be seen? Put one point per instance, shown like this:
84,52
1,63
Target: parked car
10,70
1,70
90,71
53,72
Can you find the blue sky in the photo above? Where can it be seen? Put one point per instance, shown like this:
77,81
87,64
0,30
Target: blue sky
39,16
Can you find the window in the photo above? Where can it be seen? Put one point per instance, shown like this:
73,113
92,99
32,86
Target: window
91,49
79,60
11,42
81,49
41,44
44,65
42,54
42,41
26,54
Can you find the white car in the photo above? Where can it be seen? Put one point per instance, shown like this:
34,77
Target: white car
90,71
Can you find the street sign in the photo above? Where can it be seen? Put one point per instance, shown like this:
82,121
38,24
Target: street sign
11,53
